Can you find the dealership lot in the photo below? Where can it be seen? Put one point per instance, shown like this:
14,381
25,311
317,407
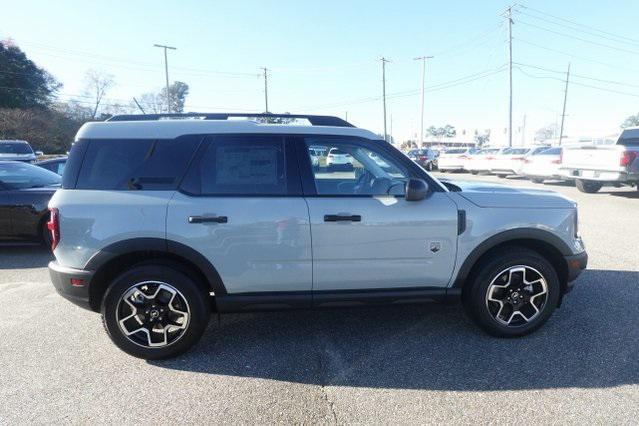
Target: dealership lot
415,364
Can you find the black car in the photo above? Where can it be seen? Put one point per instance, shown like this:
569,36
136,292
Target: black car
25,191
56,165
424,157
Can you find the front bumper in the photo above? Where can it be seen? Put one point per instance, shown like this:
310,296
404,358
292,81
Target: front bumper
62,278
576,264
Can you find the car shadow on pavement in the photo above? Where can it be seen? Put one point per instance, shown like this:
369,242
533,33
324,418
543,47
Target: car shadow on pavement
23,257
591,341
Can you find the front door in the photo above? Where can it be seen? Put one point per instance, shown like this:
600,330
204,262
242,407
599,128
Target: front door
365,234
241,207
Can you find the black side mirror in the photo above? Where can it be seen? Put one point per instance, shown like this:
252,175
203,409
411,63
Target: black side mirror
416,189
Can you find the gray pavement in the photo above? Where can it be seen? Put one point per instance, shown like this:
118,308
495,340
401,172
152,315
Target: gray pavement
410,364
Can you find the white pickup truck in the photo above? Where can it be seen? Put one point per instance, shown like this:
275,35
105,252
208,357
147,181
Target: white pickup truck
592,166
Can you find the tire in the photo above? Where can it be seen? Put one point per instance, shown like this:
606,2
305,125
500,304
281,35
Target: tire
502,176
474,172
537,180
189,298
588,186
490,271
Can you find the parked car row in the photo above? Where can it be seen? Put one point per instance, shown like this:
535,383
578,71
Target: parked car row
590,166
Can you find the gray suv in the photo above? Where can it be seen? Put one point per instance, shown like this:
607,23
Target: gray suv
164,219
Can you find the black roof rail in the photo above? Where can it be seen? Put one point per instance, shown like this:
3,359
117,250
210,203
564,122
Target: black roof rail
315,120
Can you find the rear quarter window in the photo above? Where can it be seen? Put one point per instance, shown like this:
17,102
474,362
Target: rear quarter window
136,164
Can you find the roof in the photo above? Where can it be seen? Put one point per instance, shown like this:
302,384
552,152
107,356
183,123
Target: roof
172,126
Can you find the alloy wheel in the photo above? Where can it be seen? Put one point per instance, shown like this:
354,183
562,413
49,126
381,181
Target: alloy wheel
517,295
153,314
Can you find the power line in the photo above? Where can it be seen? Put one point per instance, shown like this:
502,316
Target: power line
620,83
616,67
634,52
578,24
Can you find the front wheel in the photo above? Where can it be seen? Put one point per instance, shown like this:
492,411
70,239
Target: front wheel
537,180
588,186
153,311
513,293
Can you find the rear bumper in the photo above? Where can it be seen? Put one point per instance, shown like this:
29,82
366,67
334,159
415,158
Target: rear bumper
576,264
77,293
600,175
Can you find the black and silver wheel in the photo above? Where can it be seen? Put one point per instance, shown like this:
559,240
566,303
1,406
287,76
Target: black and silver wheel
155,312
514,292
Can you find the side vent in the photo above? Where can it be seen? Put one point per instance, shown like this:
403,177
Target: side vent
461,221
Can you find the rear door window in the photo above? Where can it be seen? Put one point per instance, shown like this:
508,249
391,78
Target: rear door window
240,165
136,164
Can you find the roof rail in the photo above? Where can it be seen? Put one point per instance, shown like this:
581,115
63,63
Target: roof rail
315,120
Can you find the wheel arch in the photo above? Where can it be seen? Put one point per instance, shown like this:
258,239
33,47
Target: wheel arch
543,242
113,259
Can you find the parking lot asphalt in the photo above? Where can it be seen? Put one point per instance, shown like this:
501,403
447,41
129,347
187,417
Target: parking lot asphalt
408,364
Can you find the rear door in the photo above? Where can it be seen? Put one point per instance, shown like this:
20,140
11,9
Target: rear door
365,234
241,206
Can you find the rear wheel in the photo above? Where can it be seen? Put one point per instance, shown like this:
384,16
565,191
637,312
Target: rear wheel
588,186
474,172
537,180
513,293
152,311
502,176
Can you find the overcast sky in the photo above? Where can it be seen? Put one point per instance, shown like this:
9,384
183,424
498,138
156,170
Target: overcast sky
322,57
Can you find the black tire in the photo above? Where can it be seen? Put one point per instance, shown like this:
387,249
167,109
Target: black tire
197,300
537,180
474,296
474,172
502,176
588,186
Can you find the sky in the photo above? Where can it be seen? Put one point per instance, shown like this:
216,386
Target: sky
323,57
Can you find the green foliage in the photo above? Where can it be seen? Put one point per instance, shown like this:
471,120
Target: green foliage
631,121
22,83
178,91
49,130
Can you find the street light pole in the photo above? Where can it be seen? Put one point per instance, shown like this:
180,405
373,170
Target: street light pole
166,73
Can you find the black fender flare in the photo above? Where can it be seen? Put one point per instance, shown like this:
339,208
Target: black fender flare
533,234
136,245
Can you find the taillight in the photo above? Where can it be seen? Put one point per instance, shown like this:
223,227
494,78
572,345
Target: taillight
423,157
53,225
627,157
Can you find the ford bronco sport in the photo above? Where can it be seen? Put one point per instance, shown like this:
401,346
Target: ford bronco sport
163,219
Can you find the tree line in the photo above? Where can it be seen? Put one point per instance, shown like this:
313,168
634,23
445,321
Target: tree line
33,108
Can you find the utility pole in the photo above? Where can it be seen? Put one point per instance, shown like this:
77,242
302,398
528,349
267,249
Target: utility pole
384,60
265,89
523,132
346,116
391,128
166,73
563,113
509,16
421,114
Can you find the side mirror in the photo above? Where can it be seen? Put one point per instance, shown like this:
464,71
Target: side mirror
39,153
416,190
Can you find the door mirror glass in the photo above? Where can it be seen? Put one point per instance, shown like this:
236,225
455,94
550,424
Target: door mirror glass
416,189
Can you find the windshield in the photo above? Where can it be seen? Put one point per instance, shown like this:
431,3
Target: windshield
22,176
15,148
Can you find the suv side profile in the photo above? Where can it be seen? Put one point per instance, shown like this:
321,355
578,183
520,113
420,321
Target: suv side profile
162,220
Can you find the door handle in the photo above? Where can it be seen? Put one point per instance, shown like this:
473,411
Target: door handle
342,218
208,219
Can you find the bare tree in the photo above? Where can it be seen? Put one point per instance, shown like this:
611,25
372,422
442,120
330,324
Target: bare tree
97,84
